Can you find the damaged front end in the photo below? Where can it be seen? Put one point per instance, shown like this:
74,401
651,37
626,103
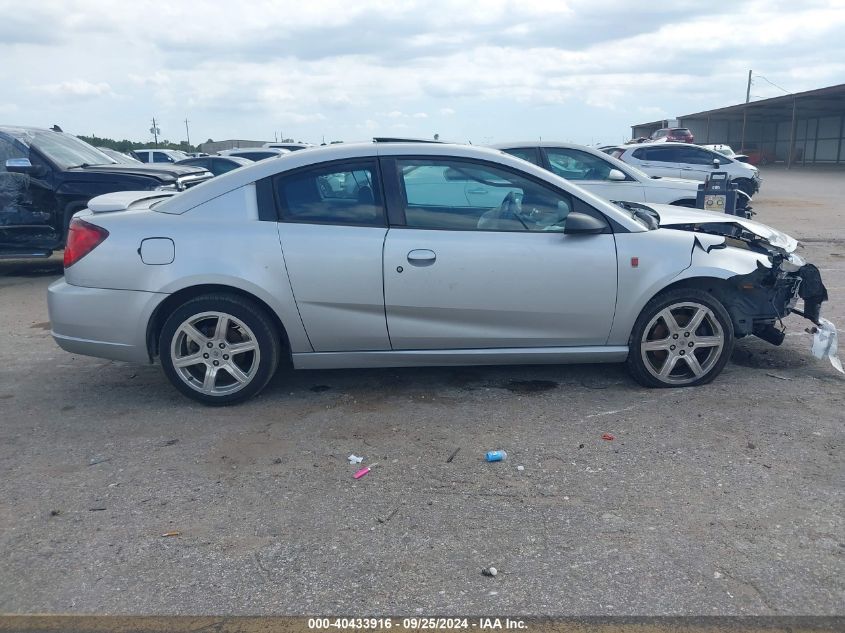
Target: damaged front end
771,277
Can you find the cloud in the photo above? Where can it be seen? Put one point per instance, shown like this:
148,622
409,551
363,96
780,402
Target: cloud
77,88
523,68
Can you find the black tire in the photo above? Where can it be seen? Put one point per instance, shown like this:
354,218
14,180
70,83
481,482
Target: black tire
247,322
711,360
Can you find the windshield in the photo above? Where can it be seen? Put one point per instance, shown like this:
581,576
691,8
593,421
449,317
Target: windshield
64,149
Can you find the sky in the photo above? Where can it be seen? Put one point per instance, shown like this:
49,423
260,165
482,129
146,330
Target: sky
482,71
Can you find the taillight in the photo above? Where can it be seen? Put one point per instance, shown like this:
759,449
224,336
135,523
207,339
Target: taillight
82,238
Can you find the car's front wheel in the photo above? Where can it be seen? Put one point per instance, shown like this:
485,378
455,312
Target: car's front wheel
682,338
219,349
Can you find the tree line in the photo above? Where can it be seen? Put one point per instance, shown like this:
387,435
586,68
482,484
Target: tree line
126,145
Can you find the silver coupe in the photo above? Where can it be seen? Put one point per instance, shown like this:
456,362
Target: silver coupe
415,254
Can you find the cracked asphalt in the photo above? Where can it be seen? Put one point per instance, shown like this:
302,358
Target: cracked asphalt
119,496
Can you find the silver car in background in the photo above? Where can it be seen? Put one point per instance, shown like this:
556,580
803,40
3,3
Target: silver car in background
606,176
348,256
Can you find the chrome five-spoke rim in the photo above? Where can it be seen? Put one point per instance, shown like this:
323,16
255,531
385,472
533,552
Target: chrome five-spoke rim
682,342
215,353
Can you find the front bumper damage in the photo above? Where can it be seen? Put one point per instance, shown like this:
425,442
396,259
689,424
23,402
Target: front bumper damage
759,300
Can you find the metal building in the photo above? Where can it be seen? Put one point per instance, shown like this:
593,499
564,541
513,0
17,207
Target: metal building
216,146
800,128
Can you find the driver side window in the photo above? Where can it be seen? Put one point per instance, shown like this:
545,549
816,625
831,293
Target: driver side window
465,195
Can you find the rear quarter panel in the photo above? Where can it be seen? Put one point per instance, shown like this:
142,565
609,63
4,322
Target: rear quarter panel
220,242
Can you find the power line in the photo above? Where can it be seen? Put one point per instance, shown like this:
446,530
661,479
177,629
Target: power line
774,84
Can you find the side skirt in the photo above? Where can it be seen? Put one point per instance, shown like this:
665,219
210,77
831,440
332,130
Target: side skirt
447,357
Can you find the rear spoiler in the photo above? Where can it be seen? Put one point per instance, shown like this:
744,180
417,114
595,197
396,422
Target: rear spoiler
122,200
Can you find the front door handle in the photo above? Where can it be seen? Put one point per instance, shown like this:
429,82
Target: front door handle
477,190
421,257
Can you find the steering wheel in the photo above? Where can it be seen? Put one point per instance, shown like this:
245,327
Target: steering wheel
511,208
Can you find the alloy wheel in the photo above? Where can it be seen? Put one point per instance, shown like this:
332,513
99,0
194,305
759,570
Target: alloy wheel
682,343
215,353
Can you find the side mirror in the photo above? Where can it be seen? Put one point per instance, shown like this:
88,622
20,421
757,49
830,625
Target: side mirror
616,175
583,224
716,163
19,166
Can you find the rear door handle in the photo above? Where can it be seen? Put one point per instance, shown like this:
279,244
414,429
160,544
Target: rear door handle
421,257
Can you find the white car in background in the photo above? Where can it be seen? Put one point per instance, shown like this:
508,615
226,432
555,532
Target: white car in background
254,153
683,160
291,147
155,155
604,175
726,150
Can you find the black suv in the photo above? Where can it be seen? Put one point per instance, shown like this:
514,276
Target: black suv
46,176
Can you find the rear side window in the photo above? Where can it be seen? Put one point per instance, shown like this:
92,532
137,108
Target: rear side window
347,194
255,155
222,166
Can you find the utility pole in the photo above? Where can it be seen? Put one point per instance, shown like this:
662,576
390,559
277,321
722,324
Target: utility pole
748,88
154,131
745,112
187,133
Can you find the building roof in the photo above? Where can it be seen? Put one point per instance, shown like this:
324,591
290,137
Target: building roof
809,102
816,102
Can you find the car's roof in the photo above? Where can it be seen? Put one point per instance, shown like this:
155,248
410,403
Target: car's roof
158,149
665,144
528,144
241,150
22,128
225,183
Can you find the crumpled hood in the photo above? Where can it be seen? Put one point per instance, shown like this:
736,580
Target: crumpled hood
679,217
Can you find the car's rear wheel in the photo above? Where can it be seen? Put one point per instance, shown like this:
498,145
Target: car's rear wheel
219,349
682,338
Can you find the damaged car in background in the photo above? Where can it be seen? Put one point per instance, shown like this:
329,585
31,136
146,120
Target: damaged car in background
385,255
48,175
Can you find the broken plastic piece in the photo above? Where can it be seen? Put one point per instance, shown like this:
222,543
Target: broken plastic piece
354,459
608,437
489,571
826,343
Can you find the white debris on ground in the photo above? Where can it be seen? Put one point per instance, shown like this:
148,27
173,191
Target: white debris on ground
826,343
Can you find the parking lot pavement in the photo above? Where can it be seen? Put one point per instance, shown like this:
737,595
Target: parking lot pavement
723,499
